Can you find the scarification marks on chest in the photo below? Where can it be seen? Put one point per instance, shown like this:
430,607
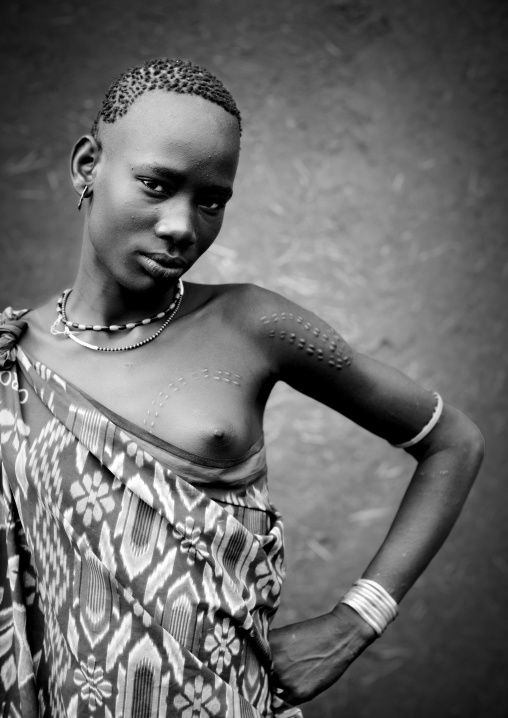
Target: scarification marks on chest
322,343
218,375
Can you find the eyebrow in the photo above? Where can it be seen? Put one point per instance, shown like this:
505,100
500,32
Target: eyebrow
173,174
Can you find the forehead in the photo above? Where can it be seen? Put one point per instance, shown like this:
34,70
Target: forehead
160,121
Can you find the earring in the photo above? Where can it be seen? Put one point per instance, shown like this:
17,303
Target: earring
82,197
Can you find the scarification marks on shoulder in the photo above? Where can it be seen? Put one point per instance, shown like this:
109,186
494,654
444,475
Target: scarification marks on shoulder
219,375
324,344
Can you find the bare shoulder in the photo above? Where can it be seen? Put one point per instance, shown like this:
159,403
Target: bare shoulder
249,298
287,330
41,317
254,307
257,304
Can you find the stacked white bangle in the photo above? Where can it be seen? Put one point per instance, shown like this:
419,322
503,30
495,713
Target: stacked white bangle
373,603
436,414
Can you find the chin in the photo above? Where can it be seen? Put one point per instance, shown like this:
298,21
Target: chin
147,284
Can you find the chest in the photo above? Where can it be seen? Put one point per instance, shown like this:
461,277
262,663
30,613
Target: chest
199,388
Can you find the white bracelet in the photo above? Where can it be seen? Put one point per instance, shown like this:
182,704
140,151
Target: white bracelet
436,415
373,603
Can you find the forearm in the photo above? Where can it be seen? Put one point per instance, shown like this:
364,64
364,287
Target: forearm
431,505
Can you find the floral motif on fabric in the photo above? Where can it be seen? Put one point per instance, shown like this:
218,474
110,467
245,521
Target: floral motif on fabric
223,644
92,497
197,700
92,685
192,544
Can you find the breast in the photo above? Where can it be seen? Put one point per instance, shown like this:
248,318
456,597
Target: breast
209,421
201,404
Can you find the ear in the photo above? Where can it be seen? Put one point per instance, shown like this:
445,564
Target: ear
84,158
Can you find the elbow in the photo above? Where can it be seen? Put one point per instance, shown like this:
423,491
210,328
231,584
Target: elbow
476,443
469,439
456,433
474,451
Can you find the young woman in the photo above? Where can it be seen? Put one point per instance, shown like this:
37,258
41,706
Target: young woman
141,557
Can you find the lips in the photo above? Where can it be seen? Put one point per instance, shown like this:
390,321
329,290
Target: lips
167,261
163,266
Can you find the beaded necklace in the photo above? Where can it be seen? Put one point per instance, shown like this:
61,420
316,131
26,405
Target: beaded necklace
173,308
61,311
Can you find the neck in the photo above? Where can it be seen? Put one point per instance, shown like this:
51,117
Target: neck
96,299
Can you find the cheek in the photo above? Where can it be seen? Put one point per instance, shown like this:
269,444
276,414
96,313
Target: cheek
114,212
209,233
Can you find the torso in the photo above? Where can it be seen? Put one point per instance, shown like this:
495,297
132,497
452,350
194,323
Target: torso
201,385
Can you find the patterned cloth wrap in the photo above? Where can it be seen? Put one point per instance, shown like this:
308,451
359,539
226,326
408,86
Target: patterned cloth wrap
136,580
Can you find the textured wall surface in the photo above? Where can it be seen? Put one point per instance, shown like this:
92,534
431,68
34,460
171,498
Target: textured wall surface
371,190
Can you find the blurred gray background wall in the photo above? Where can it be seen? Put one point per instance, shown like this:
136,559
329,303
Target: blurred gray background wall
372,189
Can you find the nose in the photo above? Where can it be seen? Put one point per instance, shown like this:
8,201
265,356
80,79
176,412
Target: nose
176,222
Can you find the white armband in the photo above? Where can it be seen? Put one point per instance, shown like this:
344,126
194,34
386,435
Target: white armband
427,428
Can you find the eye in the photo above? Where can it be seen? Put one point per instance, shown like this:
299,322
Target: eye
212,205
154,186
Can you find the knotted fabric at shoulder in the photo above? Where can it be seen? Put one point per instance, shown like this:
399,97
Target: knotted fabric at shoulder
11,329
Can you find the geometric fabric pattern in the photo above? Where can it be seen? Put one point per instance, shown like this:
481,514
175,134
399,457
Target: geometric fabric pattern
131,585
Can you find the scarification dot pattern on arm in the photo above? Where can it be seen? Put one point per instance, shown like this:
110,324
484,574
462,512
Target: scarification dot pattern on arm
322,345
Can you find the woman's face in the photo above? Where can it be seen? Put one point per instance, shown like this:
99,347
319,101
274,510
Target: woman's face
160,185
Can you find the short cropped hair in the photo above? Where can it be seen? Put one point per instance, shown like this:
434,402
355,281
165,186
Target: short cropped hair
171,75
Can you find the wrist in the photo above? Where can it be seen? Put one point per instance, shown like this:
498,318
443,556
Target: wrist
372,602
359,633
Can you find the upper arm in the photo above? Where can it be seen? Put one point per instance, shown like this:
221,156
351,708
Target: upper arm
309,355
